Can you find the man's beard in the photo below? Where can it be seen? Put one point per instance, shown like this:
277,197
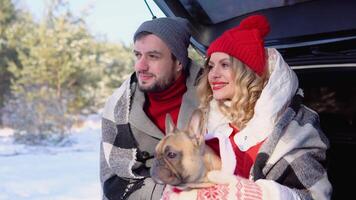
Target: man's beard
158,86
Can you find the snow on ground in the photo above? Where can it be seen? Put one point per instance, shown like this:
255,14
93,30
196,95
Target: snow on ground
52,173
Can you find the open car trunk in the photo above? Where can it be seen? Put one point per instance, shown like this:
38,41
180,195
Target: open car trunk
312,30
317,38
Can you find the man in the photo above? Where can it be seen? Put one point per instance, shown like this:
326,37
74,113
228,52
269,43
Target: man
134,116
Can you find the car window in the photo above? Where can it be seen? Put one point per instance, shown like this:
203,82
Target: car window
332,93
217,13
336,107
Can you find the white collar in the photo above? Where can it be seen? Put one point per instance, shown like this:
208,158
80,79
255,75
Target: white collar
275,97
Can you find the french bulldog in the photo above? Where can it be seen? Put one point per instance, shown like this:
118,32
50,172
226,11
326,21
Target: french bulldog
182,159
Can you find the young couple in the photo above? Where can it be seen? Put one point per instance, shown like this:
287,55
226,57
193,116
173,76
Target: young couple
267,140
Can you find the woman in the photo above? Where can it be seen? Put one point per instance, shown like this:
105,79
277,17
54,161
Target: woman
256,123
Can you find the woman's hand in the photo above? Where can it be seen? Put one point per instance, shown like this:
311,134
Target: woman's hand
232,187
228,187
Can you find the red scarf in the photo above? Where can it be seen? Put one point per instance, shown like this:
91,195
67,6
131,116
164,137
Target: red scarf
244,159
167,101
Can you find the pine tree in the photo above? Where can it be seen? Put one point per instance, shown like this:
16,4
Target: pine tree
60,71
7,53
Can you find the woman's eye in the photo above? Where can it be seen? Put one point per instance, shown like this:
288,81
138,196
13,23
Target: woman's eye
171,155
225,65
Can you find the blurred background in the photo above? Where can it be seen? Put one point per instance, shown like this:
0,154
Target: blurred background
59,61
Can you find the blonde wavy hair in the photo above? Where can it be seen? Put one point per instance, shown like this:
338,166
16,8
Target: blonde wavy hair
248,89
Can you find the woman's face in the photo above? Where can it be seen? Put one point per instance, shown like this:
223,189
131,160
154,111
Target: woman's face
221,76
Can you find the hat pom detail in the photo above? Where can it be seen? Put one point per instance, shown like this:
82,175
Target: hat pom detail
258,22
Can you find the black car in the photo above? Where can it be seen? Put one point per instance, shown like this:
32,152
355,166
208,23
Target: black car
317,38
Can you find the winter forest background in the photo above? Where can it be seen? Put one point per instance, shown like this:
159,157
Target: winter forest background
54,79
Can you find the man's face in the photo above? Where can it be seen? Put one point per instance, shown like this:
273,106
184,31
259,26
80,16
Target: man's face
154,66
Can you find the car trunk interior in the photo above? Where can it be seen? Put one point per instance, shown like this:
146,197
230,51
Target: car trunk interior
333,96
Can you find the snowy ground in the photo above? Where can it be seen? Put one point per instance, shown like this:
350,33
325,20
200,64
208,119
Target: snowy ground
52,173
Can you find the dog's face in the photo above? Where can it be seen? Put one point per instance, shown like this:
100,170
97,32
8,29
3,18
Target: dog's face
179,156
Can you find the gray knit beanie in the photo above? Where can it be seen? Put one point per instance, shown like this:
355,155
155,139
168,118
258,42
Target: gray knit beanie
174,31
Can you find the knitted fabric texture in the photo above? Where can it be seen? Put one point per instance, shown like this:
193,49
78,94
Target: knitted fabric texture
245,42
174,31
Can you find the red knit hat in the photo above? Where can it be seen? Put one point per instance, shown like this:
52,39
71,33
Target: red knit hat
245,42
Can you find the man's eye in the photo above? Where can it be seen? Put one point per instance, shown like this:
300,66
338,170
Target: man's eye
171,155
137,55
153,56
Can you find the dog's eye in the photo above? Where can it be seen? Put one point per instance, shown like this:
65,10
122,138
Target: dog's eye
171,155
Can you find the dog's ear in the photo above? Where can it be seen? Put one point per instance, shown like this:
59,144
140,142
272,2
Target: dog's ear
170,127
196,126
